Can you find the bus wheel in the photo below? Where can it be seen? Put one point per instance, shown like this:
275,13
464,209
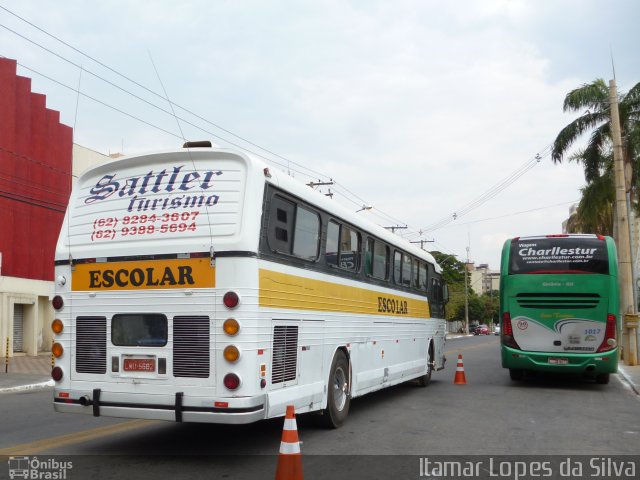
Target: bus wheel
602,379
516,374
424,380
338,396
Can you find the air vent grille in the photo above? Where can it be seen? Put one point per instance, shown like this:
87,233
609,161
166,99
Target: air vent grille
285,353
191,345
91,345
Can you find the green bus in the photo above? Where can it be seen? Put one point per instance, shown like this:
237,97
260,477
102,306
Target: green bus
559,305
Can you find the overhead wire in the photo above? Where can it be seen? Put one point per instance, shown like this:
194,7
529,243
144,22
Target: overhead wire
338,188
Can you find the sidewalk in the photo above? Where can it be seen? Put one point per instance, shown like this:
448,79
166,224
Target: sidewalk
25,373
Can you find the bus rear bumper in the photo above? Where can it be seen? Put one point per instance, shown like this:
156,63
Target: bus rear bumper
582,363
178,409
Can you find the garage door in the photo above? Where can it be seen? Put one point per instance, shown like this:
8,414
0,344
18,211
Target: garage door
18,327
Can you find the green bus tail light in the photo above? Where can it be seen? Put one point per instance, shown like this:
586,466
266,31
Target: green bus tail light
609,342
507,332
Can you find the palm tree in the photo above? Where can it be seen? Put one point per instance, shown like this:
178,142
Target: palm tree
595,212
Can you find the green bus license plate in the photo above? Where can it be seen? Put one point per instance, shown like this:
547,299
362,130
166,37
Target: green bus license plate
558,361
139,365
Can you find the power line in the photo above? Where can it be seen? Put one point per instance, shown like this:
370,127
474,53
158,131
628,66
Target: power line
345,193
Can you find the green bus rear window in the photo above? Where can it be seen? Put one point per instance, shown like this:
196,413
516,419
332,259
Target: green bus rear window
558,255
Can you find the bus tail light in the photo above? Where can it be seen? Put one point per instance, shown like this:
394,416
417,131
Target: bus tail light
231,299
609,342
56,374
507,332
231,381
57,302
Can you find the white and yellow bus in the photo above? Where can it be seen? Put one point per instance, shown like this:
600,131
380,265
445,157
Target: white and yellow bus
200,285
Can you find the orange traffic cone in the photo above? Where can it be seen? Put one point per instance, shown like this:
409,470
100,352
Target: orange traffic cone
290,458
460,378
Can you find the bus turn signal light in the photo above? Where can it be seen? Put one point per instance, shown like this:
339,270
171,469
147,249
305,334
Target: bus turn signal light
231,353
57,326
57,350
231,327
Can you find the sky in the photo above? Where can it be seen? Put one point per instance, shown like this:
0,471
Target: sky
438,115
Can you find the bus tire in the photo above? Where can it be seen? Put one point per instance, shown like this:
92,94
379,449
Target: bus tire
425,379
516,374
338,398
602,379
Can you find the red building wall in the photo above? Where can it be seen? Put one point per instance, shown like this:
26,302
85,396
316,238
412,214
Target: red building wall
35,177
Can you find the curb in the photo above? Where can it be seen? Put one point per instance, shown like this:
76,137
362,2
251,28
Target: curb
33,386
628,379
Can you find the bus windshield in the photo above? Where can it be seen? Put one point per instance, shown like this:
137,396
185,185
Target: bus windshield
556,255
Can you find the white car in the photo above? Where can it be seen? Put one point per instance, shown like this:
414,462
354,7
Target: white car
496,330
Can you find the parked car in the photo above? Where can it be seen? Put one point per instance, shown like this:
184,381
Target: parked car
496,330
473,327
482,330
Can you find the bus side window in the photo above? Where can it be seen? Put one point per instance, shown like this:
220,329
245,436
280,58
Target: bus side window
406,270
333,240
306,238
343,247
281,225
422,277
397,267
376,259
368,257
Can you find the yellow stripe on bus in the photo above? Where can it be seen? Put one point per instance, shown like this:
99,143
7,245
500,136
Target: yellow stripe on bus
140,275
282,290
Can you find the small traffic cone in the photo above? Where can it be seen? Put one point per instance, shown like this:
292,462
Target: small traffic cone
460,378
290,458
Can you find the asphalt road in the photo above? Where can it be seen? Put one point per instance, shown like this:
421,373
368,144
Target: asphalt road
490,415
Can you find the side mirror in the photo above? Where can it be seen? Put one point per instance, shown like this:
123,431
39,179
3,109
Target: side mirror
445,293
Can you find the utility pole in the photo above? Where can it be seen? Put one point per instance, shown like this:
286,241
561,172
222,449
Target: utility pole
466,294
627,308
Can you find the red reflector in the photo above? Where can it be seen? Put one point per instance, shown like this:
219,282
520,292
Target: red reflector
221,404
63,395
56,374
558,235
260,351
57,302
198,254
231,299
600,237
231,381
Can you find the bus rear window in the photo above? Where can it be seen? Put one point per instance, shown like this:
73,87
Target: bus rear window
139,330
558,255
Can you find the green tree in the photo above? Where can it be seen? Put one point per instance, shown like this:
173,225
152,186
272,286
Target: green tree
595,212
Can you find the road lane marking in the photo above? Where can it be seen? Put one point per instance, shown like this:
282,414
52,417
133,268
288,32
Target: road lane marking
73,438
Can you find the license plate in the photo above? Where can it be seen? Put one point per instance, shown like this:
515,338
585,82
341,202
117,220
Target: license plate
139,365
558,361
